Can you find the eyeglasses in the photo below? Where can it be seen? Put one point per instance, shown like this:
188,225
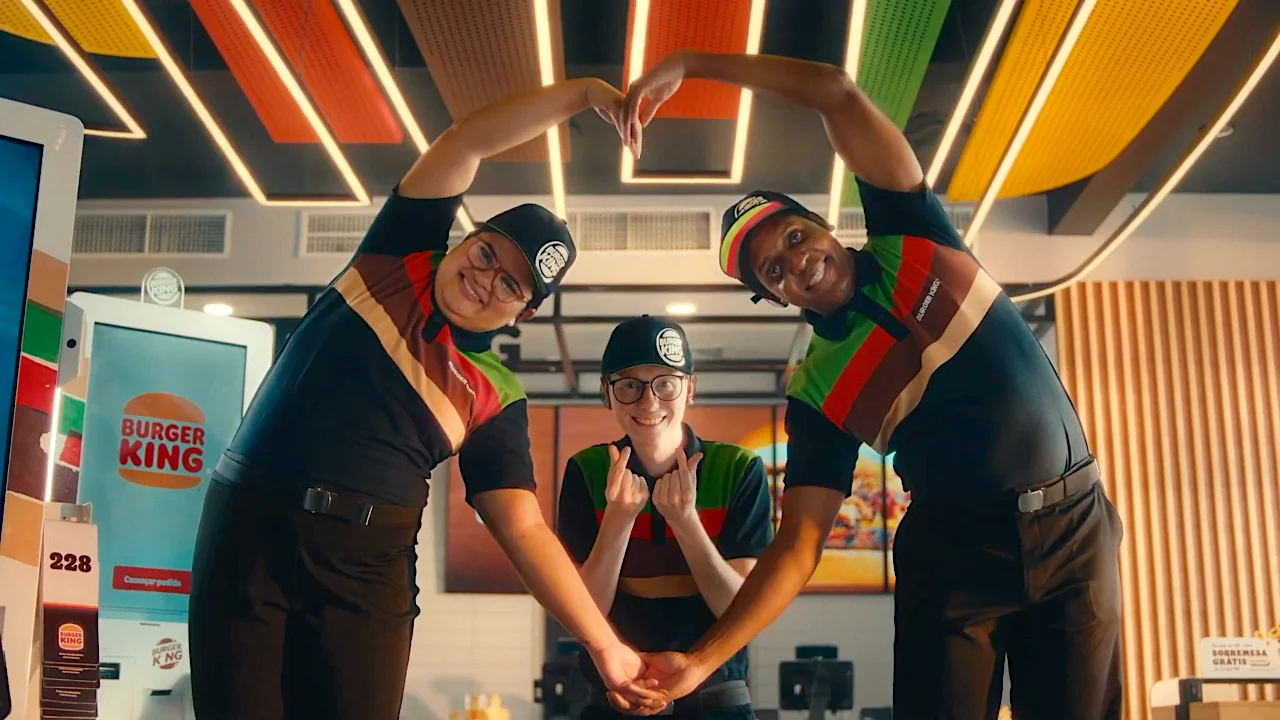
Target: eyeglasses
504,287
664,387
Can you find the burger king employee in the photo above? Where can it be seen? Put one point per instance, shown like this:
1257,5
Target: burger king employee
664,526
303,595
1010,547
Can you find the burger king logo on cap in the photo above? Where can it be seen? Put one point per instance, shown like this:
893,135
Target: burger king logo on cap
671,347
70,636
162,442
747,204
551,260
167,654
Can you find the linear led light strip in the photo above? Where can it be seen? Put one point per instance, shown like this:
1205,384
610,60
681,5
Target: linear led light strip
978,71
87,71
1167,186
220,138
737,164
852,56
1051,74
547,73
373,54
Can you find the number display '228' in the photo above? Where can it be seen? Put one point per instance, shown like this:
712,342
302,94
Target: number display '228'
70,562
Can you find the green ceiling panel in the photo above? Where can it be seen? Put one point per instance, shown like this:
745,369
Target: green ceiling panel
897,43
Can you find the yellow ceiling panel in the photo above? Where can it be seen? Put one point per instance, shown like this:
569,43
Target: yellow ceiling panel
102,27
1130,58
16,20
1035,35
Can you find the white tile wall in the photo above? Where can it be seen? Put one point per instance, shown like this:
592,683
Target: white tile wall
467,644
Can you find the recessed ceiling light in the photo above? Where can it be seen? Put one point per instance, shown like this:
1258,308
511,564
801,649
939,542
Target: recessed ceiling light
681,308
221,309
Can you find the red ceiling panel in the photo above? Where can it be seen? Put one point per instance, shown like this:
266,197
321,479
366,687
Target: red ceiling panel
710,25
313,38
268,95
480,51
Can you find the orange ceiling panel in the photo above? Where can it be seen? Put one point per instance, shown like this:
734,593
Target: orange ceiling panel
312,36
709,25
261,85
480,51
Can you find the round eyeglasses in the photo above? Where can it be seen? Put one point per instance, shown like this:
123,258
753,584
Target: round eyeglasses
504,286
664,387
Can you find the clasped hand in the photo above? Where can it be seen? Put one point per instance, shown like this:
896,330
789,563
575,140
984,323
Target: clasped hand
631,113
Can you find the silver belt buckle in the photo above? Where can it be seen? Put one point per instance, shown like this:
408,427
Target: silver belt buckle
1029,502
317,501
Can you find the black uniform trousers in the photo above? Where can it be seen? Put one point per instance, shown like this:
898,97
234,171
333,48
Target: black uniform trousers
978,584
296,614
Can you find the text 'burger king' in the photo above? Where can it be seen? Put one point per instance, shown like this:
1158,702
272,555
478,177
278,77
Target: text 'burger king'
162,440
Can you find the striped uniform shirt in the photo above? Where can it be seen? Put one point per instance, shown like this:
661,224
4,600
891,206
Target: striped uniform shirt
374,388
658,606
930,360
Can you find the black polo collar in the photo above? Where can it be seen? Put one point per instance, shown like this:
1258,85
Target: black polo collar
464,340
692,446
835,326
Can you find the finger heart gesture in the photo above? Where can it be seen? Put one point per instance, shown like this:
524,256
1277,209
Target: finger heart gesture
624,490
675,494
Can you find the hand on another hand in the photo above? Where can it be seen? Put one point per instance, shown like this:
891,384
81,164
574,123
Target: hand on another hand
667,677
647,94
624,491
675,494
621,669
608,103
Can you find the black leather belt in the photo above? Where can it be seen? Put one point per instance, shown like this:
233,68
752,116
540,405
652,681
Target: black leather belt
321,501
731,693
1027,500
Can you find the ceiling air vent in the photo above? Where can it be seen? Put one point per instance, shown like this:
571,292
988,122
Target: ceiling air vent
154,233
339,233
853,223
596,230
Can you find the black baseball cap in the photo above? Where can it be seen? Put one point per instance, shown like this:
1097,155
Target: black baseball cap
737,224
647,340
545,241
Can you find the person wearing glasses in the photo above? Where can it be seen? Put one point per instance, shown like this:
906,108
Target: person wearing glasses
1010,547
303,593
664,526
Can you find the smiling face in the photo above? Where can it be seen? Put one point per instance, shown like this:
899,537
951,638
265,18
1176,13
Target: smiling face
484,284
659,410
801,263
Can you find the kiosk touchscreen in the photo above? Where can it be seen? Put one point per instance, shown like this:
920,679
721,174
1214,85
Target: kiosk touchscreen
39,179
150,397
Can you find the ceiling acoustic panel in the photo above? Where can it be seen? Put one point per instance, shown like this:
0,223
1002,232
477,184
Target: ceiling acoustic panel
101,27
1032,42
1130,58
481,51
719,26
265,91
312,36
15,20
897,44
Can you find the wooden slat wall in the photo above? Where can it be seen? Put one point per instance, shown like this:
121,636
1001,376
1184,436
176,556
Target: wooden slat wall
1178,384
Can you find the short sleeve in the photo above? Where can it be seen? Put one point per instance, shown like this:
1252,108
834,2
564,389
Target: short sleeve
495,456
818,453
748,524
405,226
917,213
576,522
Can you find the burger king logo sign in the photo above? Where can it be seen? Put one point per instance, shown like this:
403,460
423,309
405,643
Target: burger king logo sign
167,654
70,637
162,440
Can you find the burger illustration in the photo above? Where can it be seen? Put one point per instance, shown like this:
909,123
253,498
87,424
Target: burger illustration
870,514
162,438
